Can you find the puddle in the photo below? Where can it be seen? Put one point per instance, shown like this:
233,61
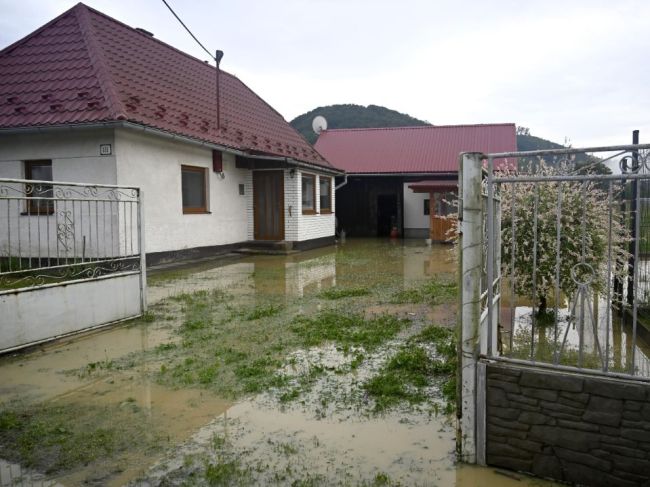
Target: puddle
179,412
327,435
41,374
283,447
606,337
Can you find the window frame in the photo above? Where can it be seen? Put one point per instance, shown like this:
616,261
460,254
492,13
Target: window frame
194,210
327,209
308,211
34,204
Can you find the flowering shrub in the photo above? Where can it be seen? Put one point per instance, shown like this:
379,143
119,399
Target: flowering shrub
584,235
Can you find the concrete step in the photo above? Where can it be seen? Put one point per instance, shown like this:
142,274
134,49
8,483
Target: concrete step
264,251
269,245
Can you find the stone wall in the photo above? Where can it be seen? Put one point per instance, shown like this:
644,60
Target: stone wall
575,428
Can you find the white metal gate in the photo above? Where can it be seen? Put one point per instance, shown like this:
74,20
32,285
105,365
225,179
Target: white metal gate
71,258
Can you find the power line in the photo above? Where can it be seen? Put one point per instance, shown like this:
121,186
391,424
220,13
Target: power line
189,31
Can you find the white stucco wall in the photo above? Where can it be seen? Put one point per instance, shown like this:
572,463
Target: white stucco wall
311,226
297,227
154,164
414,217
44,313
75,158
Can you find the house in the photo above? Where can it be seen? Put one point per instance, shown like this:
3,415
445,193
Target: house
404,178
86,98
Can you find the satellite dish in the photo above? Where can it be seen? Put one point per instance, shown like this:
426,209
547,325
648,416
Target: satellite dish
319,124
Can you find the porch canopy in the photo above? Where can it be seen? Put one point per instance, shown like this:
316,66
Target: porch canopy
433,186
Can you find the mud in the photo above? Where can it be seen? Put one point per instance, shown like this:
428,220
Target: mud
327,435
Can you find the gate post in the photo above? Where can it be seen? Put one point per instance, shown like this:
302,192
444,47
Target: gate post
470,213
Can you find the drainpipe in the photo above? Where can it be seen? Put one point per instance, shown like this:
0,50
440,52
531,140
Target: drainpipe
345,181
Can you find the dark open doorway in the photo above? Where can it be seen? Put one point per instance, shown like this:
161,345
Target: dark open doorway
386,214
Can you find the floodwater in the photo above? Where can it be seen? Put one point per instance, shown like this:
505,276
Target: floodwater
318,438
607,336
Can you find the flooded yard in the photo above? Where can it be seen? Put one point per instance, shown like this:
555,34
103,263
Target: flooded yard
329,367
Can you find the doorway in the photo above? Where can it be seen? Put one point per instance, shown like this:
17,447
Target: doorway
268,205
386,214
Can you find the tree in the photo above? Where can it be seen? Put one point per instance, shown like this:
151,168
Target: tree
584,235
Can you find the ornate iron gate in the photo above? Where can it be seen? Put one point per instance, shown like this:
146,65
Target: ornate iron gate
553,261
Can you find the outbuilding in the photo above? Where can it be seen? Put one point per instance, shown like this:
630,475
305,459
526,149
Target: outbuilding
404,179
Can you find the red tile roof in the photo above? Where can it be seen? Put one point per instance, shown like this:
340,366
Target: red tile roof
427,149
85,67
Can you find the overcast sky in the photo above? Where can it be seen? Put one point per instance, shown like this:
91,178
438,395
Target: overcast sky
576,69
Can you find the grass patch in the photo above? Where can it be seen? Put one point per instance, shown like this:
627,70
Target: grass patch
405,377
226,473
260,312
59,438
346,329
431,292
334,293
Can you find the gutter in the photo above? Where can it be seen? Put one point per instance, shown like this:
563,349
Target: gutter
403,174
294,162
164,134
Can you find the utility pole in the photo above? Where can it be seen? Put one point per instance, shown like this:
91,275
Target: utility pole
217,58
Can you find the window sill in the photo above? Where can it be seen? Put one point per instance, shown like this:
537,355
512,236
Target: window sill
309,212
326,212
37,213
196,212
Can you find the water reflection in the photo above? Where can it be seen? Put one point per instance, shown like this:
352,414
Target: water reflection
362,262
606,337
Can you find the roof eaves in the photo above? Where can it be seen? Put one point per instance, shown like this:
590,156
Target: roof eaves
419,127
99,62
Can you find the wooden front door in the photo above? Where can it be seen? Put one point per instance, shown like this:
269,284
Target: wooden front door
268,205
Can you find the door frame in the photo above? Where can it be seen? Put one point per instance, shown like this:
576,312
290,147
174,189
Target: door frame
256,188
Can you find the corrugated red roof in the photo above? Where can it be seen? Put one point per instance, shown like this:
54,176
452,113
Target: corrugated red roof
427,149
85,67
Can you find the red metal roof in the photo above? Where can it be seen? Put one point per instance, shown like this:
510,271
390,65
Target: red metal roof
427,149
85,67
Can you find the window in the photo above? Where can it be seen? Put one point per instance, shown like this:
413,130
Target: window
194,185
325,185
445,204
308,194
39,171
427,209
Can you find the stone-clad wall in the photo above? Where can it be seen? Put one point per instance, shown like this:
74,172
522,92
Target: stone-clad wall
580,429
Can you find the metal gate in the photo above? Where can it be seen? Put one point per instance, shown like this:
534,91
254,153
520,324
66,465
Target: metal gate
71,258
554,262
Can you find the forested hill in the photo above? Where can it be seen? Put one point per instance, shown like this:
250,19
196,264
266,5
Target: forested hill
352,117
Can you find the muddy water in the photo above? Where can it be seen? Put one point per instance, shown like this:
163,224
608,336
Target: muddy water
319,437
